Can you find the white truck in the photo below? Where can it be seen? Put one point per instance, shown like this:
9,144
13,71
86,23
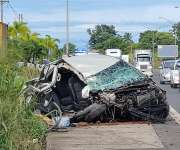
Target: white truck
118,54
143,61
114,53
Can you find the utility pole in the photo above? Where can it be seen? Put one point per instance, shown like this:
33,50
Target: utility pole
2,2
67,28
175,36
153,49
20,17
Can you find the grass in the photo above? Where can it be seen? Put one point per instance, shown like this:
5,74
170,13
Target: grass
19,128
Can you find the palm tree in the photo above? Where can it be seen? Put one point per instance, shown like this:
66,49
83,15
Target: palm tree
18,30
51,44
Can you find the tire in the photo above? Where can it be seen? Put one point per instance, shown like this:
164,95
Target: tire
89,114
95,113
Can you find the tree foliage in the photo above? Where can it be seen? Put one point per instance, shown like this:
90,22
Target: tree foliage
148,38
176,31
25,45
106,37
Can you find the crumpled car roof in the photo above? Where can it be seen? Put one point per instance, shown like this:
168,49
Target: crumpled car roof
91,64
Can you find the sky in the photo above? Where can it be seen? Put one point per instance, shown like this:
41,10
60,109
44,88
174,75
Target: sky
134,16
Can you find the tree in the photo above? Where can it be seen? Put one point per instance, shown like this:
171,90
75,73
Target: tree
106,37
100,34
25,45
147,39
18,30
165,38
51,45
176,30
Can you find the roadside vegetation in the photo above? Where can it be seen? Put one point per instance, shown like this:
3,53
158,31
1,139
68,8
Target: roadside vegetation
19,128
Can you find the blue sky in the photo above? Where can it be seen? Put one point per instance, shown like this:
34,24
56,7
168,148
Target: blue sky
48,17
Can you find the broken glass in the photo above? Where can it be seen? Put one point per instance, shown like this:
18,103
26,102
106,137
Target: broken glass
117,75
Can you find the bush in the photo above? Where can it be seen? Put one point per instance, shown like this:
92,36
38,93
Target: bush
18,126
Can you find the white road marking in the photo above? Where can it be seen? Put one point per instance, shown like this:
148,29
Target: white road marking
175,115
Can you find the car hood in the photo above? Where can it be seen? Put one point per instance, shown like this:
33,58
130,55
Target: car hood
90,64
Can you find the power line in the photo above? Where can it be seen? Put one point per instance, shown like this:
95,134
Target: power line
16,14
2,2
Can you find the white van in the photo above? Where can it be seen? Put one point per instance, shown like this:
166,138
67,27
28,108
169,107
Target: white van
114,53
175,74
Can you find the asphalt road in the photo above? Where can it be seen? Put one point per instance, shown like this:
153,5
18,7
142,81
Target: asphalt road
173,94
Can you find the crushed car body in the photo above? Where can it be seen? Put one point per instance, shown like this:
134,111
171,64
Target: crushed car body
96,87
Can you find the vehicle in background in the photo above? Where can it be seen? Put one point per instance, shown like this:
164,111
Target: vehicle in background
114,53
125,58
165,71
174,77
143,61
80,52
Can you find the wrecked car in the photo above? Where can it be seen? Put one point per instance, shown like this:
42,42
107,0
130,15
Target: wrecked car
96,87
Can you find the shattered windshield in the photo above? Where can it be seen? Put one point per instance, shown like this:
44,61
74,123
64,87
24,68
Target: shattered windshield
115,76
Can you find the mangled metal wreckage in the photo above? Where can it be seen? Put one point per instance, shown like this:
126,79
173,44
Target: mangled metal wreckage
98,88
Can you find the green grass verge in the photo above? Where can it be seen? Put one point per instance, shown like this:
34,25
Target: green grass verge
19,128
